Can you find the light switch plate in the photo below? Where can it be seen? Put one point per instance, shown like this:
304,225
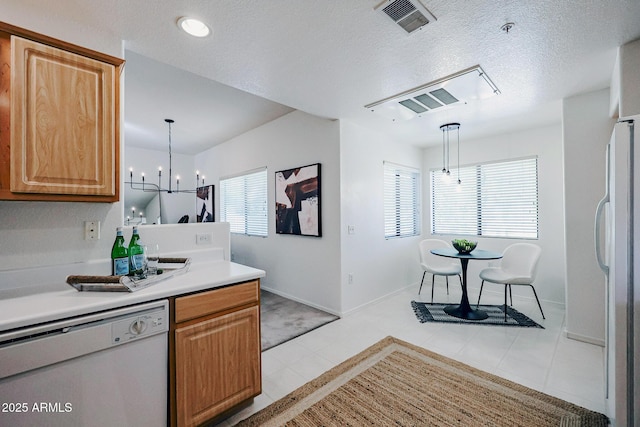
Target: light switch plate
204,239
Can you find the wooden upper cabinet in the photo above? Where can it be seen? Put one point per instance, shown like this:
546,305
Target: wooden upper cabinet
63,141
62,126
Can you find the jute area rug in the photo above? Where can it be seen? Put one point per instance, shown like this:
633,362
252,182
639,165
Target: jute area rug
394,383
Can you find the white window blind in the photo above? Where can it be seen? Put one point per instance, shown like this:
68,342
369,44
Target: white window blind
243,203
401,201
494,200
453,211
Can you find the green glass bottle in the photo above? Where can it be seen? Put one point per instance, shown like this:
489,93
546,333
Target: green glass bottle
136,255
119,255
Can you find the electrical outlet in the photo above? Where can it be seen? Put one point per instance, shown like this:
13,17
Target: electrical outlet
351,229
204,239
91,230
350,278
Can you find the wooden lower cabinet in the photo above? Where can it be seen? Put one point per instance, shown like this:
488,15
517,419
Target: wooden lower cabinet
216,358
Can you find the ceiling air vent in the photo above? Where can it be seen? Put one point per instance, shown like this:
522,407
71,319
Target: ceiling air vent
411,15
442,94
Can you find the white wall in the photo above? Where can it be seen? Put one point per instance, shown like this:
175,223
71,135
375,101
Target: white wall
379,266
300,267
586,132
47,233
546,143
629,95
176,238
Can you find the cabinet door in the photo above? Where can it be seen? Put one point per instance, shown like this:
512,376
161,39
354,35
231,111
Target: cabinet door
217,365
62,122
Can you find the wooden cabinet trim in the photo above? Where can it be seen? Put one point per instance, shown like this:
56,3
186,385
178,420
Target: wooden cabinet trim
5,114
41,38
218,300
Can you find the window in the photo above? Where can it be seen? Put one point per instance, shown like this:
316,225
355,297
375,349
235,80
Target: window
494,200
401,201
243,202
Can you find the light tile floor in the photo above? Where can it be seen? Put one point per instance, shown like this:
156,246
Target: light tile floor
542,359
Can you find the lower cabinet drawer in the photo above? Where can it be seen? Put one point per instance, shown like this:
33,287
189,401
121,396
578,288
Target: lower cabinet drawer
217,300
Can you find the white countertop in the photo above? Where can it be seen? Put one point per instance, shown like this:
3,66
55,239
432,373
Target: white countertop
60,300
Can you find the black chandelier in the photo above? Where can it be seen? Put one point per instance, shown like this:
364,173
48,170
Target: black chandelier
145,185
151,187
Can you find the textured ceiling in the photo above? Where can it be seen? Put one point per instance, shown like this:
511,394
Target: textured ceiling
332,57
205,112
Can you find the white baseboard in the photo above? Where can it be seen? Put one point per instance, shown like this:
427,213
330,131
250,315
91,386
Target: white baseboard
529,298
584,338
415,285
377,300
300,300
335,313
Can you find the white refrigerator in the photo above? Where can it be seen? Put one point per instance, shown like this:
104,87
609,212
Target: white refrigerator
617,227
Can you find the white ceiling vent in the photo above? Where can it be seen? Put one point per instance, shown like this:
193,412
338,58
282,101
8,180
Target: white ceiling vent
442,94
411,15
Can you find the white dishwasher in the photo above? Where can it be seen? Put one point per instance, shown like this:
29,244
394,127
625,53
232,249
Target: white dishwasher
103,369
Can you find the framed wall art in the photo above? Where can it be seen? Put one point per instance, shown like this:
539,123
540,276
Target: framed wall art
298,201
204,204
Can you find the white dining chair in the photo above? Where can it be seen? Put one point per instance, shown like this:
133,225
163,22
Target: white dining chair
518,266
437,265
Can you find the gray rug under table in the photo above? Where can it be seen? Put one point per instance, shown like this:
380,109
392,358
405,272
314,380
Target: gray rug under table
282,319
434,312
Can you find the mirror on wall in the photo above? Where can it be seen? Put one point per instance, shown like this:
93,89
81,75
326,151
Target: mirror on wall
205,113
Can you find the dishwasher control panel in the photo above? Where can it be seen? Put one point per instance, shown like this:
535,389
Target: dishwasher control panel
139,325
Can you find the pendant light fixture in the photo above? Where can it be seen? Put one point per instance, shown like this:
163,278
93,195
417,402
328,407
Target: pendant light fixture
149,186
446,149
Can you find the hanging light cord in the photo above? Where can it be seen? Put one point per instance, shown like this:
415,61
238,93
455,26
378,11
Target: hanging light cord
459,182
448,153
169,121
446,147
444,163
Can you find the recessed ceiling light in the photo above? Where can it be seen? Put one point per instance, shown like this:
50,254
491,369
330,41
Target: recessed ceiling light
193,26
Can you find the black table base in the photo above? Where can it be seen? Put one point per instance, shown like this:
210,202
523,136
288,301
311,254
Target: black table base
462,312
